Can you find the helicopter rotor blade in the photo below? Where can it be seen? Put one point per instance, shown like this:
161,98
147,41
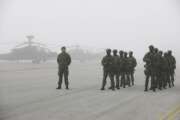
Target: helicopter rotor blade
21,44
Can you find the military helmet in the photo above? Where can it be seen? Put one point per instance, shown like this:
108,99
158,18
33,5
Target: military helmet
151,46
121,51
130,52
160,52
169,52
63,48
165,54
108,50
156,50
115,51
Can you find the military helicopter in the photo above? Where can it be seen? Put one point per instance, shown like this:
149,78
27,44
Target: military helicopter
79,54
29,50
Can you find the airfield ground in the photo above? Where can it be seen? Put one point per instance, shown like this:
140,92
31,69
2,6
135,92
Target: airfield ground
27,92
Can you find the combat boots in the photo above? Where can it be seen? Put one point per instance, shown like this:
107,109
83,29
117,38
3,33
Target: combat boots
59,87
67,88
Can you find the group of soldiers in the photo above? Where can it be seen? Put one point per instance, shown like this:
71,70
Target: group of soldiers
160,67
119,67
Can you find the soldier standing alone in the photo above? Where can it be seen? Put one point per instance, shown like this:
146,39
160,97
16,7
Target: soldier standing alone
63,60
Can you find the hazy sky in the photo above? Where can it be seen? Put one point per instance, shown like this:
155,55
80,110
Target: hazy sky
121,24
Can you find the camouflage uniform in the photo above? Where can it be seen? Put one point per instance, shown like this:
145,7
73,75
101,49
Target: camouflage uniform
149,69
63,60
122,68
107,63
159,75
131,66
157,61
126,71
116,67
172,65
165,71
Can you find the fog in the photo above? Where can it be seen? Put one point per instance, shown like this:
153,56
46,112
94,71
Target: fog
28,90
92,24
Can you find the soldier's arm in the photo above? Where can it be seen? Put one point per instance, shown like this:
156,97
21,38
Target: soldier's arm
135,62
58,59
69,59
145,57
174,60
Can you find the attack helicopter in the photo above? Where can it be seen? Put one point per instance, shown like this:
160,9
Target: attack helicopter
29,50
79,54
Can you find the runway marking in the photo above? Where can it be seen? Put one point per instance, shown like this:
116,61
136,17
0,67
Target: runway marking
171,115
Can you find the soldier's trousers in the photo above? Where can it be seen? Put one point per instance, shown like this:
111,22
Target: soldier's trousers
150,74
147,82
105,75
172,78
116,75
153,82
132,77
128,79
169,80
158,80
123,80
164,76
63,73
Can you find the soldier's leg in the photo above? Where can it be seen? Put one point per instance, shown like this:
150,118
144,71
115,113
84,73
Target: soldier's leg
60,73
105,74
117,80
111,76
120,78
147,82
123,80
150,73
166,75
156,80
151,86
172,78
128,79
169,80
132,77
160,80
66,73
165,79
153,80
